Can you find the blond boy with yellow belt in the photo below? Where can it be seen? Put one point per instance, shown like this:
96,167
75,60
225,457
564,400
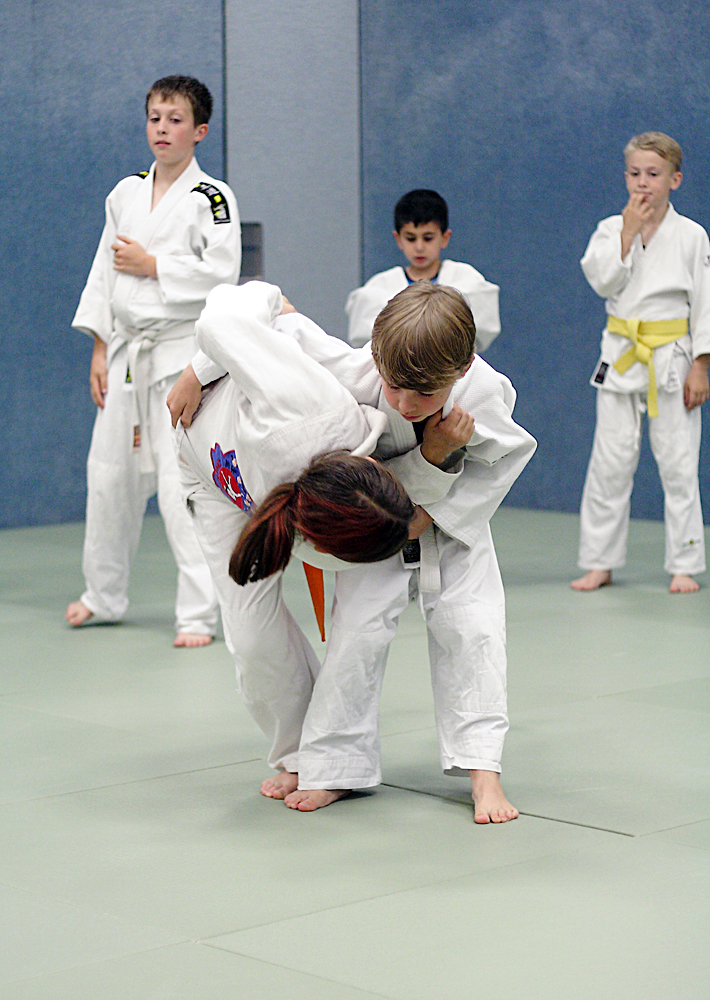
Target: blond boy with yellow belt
653,268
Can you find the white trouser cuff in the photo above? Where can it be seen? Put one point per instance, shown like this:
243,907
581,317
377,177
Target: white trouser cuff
287,763
99,611
338,772
472,764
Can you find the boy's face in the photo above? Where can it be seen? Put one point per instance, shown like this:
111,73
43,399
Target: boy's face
652,177
413,405
171,130
422,246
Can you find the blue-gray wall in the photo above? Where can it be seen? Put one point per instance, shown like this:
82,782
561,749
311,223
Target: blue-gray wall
517,113
74,78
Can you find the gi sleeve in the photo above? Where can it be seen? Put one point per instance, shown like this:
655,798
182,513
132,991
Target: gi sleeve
603,267
206,369
700,296
214,257
353,368
425,483
496,455
94,314
281,382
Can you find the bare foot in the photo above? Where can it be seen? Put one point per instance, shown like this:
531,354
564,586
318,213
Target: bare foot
77,613
682,584
192,639
309,799
280,786
592,580
489,802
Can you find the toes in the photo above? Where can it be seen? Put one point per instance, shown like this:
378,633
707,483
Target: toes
190,640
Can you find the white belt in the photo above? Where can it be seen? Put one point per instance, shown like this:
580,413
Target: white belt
139,348
429,571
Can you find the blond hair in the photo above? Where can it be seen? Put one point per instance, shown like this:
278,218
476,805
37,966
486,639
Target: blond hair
424,338
660,143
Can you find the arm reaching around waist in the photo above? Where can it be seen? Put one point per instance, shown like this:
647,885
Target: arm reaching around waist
184,398
186,395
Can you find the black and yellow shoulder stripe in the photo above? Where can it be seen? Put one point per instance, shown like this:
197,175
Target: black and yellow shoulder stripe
218,203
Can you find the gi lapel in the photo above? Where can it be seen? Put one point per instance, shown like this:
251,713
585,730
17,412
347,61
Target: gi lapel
149,222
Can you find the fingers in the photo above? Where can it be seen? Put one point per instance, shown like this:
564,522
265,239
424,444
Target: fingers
287,307
176,410
187,414
693,399
459,425
97,387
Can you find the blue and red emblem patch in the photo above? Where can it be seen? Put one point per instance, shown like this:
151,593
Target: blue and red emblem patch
226,474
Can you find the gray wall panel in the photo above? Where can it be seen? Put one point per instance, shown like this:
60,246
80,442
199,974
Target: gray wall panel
293,143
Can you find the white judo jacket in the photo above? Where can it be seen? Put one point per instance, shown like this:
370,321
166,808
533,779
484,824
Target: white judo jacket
194,234
461,500
364,304
278,409
668,279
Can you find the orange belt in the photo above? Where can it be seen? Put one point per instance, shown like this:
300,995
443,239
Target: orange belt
317,588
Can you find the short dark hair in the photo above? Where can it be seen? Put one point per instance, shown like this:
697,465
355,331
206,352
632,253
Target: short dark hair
197,95
419,207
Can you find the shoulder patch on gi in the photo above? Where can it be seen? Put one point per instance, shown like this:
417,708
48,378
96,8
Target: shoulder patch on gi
218,203
142,174
600,373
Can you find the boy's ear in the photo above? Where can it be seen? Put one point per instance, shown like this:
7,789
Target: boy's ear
676,180
445,237
397,238
465,370
201,131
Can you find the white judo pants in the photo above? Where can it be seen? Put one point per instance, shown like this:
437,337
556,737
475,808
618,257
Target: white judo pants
340,744
118,493
675,441
275,663
323,721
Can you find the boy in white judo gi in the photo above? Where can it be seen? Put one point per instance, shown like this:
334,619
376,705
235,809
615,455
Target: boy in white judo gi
653,268
421,231
426,379
170,236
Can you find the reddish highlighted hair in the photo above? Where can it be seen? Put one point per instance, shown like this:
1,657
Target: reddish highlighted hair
349,507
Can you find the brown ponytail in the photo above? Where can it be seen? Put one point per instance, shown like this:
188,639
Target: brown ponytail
265,544
350,507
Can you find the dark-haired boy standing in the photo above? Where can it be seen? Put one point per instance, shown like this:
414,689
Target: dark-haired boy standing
421,231
170,236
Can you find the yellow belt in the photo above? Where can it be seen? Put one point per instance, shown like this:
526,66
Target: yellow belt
646,335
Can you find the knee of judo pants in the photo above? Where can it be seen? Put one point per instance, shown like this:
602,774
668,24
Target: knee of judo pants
345,699
467,652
